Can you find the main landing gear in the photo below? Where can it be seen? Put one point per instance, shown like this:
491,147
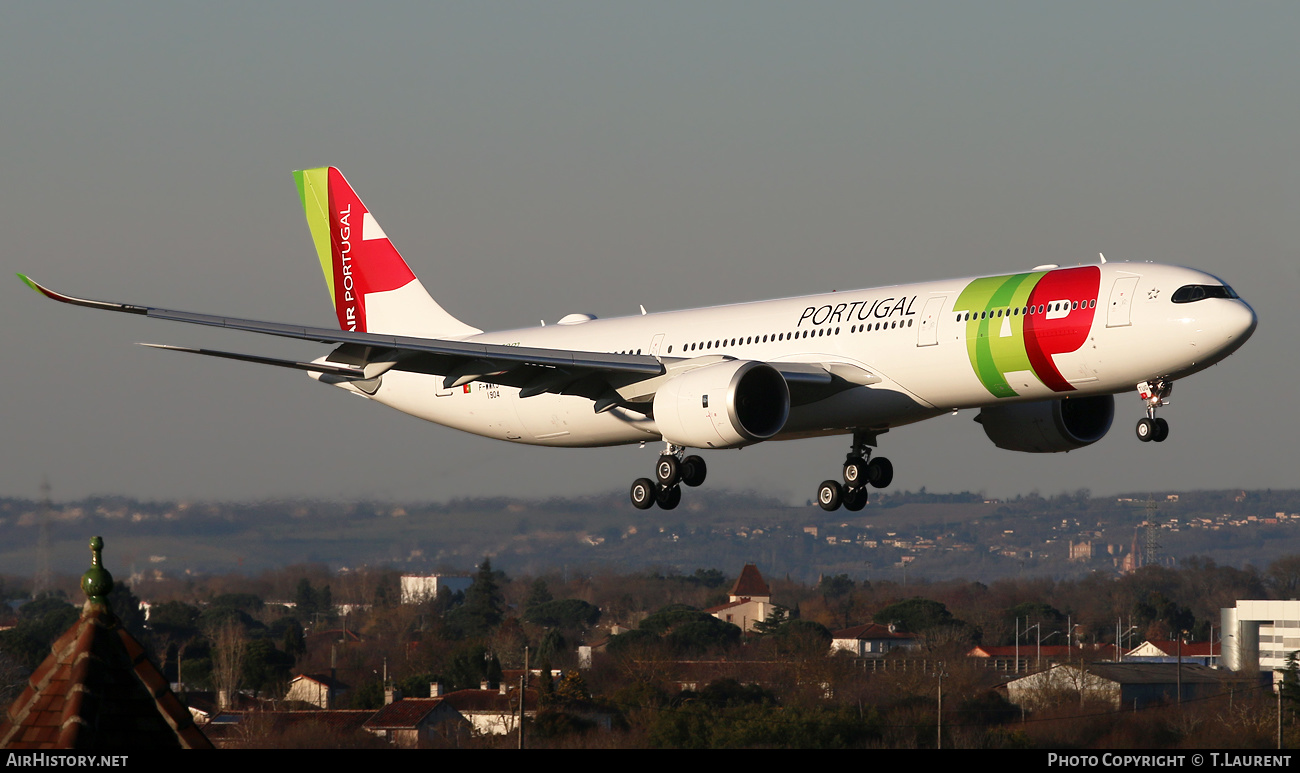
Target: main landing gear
672,469
1154,394
860,471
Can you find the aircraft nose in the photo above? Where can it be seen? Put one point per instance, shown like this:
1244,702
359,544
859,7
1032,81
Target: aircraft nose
1241,322
1234,322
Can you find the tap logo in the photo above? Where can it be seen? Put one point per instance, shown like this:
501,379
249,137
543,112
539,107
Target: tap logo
1019,322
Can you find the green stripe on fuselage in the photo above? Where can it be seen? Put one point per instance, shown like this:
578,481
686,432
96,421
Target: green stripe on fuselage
992,354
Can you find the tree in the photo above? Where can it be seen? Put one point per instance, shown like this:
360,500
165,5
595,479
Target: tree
916,615
775,619
538,595
1290,687
484,605
228,658
566,613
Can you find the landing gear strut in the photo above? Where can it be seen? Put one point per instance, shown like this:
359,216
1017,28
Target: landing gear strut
1154,394
860,471
672,469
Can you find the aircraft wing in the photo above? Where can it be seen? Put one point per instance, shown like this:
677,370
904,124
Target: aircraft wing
608,379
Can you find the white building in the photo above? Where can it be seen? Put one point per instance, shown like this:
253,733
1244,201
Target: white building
418,588
1258,635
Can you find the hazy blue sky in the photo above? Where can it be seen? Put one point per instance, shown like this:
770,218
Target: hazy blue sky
536,159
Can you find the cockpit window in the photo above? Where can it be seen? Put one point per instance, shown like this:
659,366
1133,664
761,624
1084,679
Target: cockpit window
1192,293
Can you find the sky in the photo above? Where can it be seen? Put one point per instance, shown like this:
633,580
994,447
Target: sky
536,159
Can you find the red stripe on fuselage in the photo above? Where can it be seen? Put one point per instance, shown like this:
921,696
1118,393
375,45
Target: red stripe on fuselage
1045,337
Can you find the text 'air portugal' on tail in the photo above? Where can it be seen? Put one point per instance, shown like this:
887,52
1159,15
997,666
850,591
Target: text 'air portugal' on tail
372,288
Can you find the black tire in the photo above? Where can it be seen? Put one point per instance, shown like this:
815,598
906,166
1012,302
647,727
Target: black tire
880,472
668,498
855,499
667,470
694,470
643,493
1146,430
855,471
829,495
1162,431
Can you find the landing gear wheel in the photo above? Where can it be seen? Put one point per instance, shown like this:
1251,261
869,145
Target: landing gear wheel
855,499
855,471
669,497
829,495
667,470
880,472
1162,431
1146,430
693,471
643,493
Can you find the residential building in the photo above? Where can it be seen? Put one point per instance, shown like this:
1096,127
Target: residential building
750,601
418,588
873,640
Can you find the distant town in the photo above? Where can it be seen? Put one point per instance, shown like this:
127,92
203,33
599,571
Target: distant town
900,536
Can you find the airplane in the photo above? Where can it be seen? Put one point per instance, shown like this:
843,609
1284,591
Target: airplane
1041,353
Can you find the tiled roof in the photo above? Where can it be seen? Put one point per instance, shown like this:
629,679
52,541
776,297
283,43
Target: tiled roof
98,690
750,583
403,714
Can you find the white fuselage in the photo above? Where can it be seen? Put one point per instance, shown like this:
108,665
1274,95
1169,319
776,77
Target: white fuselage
1101,329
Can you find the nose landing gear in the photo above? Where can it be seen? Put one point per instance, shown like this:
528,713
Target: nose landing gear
1154,394
672,469
860,471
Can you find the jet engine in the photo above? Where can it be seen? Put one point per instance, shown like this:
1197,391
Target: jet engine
1048,426
725,405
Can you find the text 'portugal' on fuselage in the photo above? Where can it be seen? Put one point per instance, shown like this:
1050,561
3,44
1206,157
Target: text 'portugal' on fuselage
1040,353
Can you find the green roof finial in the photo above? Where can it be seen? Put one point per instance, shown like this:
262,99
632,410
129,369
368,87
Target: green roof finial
97,583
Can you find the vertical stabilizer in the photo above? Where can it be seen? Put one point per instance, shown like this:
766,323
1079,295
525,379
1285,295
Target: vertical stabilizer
372,288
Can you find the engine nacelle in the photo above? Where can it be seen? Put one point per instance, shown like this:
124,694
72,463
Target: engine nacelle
1049,426
725,405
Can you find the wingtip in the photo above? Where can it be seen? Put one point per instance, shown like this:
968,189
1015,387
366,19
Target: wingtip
36,286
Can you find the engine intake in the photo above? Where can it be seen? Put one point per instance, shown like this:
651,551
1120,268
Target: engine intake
1049,426
725,405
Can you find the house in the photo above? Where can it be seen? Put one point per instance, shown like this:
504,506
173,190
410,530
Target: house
750,601
419,588
872,640
320,690
1199,652
97,688
492,712
408,722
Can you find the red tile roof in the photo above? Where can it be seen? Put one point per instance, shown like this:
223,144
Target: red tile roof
98,690
403,714
750,584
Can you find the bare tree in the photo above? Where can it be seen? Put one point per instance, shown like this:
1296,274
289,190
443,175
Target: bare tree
228,660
